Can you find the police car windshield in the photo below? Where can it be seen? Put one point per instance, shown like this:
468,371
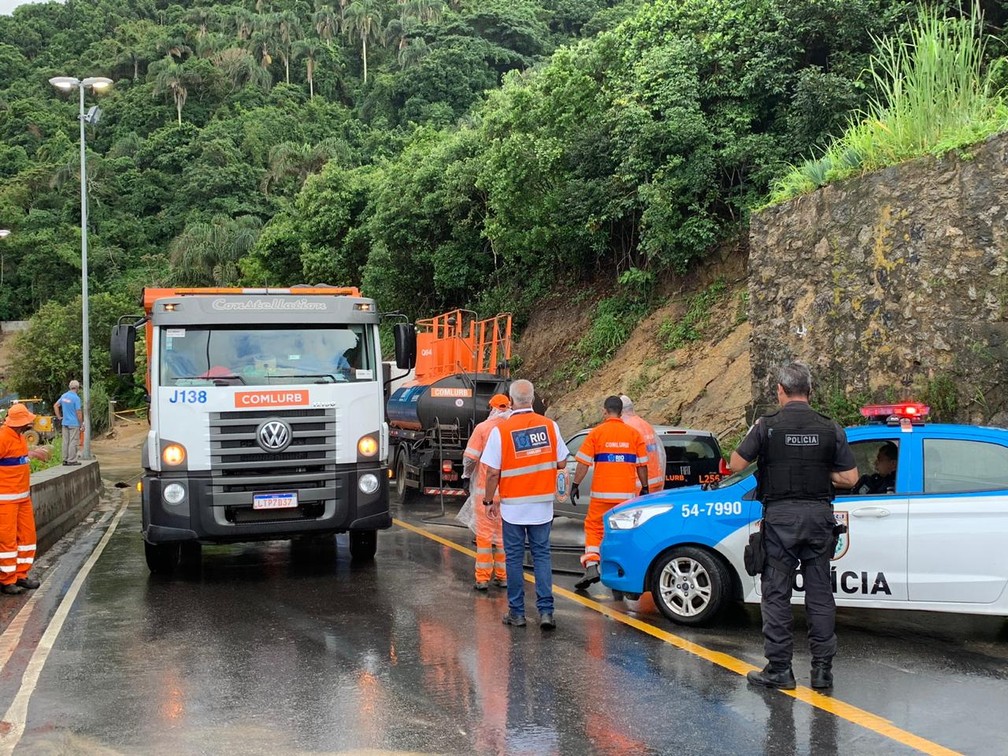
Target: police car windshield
734,478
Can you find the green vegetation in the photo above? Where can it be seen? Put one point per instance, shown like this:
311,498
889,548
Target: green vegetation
439,153
675,334
941,395
55,448
933,95
831,399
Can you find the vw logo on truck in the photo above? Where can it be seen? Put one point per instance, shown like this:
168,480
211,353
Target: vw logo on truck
274,435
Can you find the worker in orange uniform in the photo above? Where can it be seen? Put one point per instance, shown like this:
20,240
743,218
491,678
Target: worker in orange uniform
619,455
489,541
655,448
17,520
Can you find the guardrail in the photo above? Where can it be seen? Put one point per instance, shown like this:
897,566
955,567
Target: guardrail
62,496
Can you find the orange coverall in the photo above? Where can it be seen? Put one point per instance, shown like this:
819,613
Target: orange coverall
489,540
17,520
655,451
616,450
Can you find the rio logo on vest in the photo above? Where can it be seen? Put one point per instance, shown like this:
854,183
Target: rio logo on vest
529,441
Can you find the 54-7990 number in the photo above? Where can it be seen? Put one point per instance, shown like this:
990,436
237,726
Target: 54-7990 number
712,508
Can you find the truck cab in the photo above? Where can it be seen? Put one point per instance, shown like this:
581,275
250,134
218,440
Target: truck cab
267,418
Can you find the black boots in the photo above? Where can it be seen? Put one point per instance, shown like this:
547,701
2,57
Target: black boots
768,677
822,674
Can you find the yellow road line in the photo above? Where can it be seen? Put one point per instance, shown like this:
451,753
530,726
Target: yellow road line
828,704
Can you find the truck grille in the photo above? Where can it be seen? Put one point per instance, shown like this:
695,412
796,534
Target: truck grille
240,467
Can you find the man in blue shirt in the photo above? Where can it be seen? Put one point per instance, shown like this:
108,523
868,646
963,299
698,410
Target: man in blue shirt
70,413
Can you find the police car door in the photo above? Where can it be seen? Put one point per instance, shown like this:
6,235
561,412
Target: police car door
870,561
959,520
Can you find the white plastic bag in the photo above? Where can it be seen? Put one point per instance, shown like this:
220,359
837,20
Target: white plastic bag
467,515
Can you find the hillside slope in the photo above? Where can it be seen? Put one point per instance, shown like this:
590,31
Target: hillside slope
703,384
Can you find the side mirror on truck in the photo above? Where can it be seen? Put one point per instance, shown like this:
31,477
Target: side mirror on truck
405,345
122,349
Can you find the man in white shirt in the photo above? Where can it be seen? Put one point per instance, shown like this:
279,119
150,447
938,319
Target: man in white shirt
522,456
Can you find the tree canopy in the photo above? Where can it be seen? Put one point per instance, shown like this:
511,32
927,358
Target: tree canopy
440,153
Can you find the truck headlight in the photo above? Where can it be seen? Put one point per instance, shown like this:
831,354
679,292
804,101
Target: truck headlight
367,446
368,483
629,519
174,493
173,454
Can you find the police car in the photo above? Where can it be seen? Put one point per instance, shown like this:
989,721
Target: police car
937,540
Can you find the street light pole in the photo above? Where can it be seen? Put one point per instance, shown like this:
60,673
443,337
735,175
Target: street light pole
85,324
96,84
4,233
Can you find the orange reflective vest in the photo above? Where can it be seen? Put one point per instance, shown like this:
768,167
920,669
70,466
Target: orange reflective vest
15,475
474,450
656,461
616,450
528,459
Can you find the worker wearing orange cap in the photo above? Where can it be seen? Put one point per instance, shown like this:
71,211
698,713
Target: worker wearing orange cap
619,455
489,539
17,520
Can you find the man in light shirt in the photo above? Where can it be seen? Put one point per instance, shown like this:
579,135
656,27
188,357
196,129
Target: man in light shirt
522,455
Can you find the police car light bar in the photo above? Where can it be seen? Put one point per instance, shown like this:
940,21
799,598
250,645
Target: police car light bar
893,413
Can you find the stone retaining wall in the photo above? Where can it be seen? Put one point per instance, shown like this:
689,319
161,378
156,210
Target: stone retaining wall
62,496
891,285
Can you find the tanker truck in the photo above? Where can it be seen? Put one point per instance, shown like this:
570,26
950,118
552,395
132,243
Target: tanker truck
460,362
266,418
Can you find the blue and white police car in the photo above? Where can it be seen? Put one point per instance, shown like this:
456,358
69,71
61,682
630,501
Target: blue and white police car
937,540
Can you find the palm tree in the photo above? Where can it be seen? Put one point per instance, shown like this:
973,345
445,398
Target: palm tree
326,23
311,50
299,161
208,253
261,46
288,31
242,69
139,40
201,19
412,52
363,20
244,23
174,79
427,11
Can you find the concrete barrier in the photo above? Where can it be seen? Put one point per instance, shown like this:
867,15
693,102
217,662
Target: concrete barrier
61,497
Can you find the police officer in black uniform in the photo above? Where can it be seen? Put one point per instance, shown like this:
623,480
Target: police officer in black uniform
801,456
883,480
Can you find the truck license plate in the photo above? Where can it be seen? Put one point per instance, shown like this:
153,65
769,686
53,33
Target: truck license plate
274,501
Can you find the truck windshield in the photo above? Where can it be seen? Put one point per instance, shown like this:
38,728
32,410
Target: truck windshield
266,356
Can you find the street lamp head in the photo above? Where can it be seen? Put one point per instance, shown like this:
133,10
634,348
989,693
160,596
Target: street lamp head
64,83
4,233
97,83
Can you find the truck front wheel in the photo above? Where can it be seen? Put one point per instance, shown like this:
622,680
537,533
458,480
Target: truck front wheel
403,493
162,558
363,544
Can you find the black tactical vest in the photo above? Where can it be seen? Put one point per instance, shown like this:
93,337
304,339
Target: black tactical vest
797,459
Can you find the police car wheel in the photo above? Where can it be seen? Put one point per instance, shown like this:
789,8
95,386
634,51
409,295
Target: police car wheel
689,585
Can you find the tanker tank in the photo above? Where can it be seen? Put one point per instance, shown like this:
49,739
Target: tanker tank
453,400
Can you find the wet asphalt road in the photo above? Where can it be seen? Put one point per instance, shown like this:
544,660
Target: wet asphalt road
281,648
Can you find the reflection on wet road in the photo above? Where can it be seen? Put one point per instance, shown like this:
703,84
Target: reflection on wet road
286,648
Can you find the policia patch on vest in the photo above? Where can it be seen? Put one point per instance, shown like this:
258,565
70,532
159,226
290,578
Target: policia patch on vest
529,441
801,439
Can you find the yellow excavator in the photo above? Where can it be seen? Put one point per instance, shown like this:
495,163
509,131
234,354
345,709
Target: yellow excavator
43,430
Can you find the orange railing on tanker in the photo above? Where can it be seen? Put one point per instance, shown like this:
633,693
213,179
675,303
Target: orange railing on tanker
457,342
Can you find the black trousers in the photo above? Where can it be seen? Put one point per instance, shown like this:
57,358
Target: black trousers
796,532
